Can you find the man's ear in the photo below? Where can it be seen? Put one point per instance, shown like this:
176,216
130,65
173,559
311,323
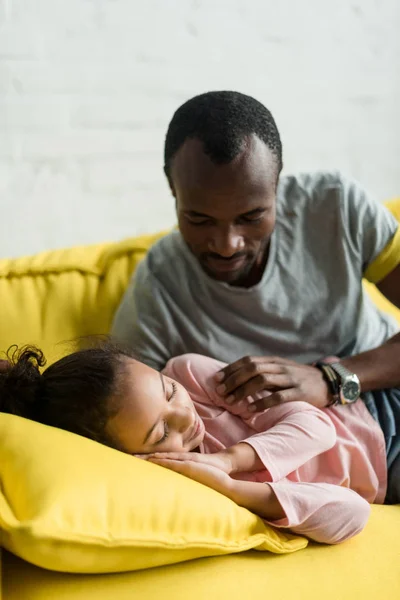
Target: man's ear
277,177
171,185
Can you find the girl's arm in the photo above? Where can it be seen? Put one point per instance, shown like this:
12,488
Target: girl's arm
294,440
296,437
295,433
289,435
323,512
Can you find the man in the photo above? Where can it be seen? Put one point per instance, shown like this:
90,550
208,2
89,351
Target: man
268,268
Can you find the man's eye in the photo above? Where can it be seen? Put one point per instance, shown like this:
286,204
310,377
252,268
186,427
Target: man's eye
252,219
198,221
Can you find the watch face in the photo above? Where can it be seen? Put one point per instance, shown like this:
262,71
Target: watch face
350,391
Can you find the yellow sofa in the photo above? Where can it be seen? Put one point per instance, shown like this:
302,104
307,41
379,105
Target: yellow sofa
57,296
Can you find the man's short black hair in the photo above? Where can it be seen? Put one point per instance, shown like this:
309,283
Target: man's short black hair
221,120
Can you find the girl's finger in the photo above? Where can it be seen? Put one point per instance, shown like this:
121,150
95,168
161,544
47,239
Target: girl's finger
172,455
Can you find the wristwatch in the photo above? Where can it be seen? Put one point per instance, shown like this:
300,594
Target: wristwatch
349,384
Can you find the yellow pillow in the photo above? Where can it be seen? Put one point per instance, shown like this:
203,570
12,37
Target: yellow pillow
70,504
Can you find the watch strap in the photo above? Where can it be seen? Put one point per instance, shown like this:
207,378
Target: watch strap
341,370
332,380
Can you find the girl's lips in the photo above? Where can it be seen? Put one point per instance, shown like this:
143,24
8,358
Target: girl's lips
196,429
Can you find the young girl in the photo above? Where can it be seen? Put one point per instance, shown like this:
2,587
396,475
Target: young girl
298,467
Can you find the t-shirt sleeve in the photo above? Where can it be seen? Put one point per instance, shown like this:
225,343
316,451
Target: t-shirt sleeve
325,513
140,321
372,231
196,373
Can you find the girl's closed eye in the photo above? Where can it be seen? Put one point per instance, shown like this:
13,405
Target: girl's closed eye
166,434
174,390
166,428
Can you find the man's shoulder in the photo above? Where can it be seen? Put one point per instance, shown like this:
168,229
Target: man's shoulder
167,251
311,185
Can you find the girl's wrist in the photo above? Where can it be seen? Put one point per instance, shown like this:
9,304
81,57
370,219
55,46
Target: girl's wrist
242,457
227,459
257,497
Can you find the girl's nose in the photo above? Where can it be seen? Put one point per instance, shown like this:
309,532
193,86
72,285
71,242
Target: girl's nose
181,419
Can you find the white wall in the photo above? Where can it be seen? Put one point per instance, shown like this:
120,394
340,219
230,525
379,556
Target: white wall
87,89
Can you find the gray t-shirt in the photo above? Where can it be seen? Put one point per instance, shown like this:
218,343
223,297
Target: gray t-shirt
309,303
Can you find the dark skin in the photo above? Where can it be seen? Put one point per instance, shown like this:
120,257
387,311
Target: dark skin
226,215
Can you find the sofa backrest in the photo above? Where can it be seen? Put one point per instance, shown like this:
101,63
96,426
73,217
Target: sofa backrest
61,295
58,296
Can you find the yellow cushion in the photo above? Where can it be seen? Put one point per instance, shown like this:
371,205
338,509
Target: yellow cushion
364,568
70,504
57,296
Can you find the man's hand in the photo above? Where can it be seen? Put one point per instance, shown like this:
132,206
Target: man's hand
206,474
285,380
218,460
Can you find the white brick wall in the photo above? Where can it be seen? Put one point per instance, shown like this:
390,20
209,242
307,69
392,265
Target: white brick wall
87,88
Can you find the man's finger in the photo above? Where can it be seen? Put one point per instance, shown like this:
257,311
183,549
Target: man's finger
231,368
224,373
265,382
256,371
280,397
238,365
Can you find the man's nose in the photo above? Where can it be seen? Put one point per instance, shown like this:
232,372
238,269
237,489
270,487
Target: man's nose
226,243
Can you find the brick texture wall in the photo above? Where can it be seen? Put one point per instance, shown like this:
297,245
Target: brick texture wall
87,88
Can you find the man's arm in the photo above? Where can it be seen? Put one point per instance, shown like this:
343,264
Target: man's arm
380,368
376,369
376,236
390,286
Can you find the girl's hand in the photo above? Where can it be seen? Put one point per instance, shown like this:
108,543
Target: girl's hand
256,497
218,460
208,475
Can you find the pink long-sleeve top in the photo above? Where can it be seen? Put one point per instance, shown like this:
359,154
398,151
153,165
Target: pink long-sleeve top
324,466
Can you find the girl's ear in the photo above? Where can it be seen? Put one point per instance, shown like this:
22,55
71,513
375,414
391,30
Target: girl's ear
4,366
